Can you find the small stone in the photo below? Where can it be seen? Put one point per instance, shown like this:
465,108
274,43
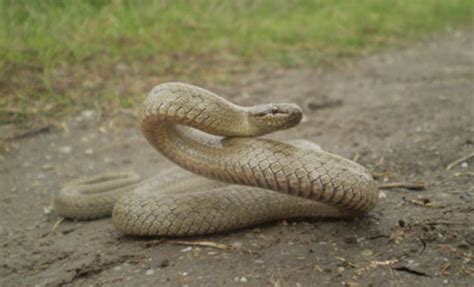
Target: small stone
89,151
464,165
164,263
88,114
185,274
237,244
47,209
150,272
350,240
40,175
382,195
463,245
340,269
47,166
187,249
243,279
259,261
117,268
65,149
367,253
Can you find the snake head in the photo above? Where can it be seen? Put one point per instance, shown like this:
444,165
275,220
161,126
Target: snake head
271,117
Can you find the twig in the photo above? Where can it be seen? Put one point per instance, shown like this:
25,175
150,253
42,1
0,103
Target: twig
440,222
55,226
373,265
211,244
458,161
408,185
31,132
15,111
356,157
425,202
155,242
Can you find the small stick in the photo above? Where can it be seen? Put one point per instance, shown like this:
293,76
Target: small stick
55,226
407,185
211,244
458,161
31,132
356,157
15,111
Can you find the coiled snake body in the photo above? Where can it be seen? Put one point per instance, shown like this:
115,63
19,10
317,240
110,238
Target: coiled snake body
250,180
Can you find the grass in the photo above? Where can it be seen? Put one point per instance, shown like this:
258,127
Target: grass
60,56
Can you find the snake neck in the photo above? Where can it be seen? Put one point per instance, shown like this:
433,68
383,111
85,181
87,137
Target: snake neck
187,105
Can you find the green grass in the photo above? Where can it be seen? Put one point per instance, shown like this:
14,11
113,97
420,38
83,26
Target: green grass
58,56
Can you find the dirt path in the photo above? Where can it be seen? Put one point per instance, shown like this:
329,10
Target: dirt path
406,115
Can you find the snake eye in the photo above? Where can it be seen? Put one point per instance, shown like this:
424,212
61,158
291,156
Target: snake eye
274,110
270,111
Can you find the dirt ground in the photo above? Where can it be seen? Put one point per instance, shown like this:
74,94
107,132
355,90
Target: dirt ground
406,115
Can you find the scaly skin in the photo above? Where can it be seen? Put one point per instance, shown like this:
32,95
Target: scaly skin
269,180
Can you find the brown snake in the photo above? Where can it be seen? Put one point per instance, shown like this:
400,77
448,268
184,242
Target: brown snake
254,180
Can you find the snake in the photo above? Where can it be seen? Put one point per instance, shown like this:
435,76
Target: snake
227,176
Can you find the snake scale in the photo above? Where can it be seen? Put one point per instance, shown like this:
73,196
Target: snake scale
237,179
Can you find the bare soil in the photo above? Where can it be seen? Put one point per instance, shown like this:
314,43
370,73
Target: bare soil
406,115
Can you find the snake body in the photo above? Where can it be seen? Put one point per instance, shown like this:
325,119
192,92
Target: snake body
249,180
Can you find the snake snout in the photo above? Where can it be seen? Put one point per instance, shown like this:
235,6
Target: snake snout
276,116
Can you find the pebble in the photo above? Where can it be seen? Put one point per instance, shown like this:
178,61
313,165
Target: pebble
464,165
47,166
241,279
187,249
65,149
89,151
40,175
47,209
382,195
367,253
150,272
237,244
165,263
88,114
259,261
